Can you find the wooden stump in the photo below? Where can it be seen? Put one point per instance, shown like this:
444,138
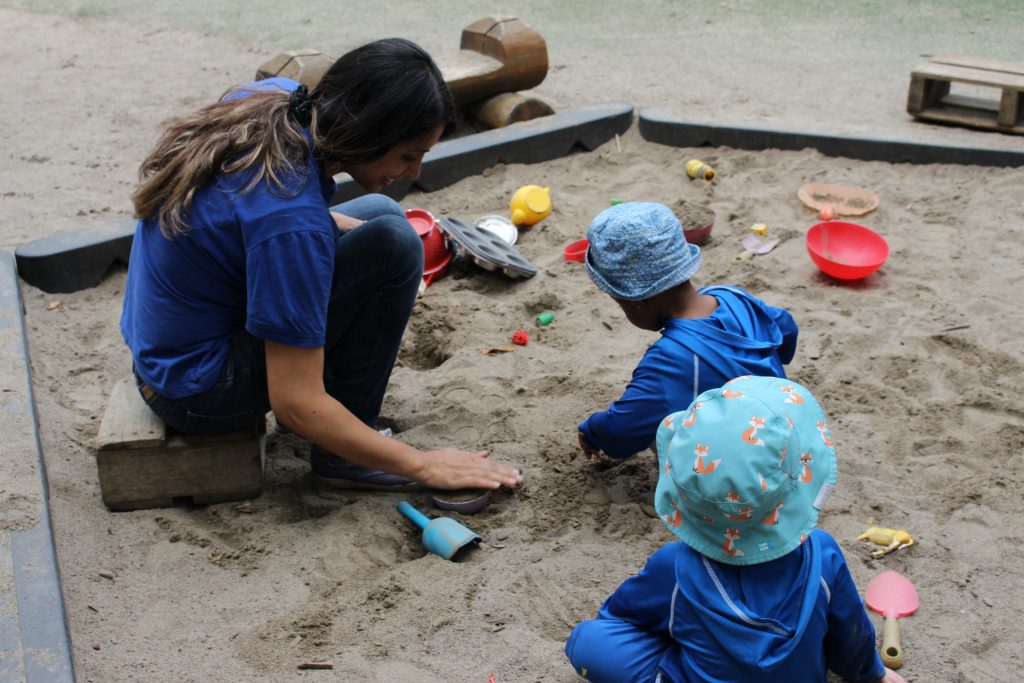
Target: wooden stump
142,464
508,107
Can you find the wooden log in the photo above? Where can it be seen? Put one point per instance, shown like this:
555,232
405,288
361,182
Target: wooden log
497,54
306,66
499,111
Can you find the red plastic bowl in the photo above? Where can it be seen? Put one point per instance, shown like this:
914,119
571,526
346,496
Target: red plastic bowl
421,220
577,251
846,251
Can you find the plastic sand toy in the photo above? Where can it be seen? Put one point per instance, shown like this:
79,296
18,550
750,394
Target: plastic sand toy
576,251
838,200
695,168
892,539
846,251
530,204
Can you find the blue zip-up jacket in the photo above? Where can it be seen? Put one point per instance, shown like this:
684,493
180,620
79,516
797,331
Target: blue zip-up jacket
744,336
784,621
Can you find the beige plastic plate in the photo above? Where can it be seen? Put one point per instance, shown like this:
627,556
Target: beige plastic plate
845,200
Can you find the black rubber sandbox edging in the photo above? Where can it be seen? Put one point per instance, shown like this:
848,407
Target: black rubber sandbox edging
78,259
34,642
658,126
528,142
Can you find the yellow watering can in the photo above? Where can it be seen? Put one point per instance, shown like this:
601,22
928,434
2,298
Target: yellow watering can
530,204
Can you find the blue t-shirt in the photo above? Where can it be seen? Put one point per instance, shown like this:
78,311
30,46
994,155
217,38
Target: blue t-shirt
744,336
261,258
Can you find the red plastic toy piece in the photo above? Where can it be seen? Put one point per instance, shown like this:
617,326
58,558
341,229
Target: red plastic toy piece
520,338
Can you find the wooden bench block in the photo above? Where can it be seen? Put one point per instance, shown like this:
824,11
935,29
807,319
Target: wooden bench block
929,96
143,464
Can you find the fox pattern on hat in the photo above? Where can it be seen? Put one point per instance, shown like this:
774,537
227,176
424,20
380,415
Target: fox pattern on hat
745,470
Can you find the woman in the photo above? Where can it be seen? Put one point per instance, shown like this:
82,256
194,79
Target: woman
245,293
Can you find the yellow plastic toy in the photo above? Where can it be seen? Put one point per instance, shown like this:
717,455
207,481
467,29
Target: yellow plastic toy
695,168
892,539
530,204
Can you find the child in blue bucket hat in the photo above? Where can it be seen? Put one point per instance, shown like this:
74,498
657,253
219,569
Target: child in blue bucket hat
639,256
752,591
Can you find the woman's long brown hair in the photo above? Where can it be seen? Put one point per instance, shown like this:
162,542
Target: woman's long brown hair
233,135
373,98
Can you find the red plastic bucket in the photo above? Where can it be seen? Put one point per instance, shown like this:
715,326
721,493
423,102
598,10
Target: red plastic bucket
436,254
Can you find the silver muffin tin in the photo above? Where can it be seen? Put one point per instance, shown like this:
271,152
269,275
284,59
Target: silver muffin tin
488,251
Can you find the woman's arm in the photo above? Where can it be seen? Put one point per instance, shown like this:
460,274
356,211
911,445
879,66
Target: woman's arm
345,223
300,402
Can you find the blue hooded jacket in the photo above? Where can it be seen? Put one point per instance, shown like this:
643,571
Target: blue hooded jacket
783,621
744,336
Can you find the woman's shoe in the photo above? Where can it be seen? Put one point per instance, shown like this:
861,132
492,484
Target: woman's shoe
333,472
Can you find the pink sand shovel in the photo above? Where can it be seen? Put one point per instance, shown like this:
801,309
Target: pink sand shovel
892,595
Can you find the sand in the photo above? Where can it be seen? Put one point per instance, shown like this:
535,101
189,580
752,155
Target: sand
916,367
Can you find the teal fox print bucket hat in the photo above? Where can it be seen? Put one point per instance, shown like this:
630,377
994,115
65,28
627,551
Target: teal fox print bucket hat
744,472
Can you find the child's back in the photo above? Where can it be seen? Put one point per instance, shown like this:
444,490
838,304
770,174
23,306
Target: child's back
753,592
639,256
764,623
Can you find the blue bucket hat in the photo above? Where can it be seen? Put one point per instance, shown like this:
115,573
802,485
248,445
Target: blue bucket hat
638,250
745,470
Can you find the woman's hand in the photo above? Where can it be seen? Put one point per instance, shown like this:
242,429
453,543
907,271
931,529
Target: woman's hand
450,468
345,223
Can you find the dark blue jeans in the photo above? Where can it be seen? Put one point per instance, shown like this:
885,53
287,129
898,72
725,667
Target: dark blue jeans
377,272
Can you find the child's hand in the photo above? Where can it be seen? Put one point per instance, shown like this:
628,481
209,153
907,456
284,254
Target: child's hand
588,450
892,677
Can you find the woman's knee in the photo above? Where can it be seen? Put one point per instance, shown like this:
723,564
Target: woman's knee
370,206
395,240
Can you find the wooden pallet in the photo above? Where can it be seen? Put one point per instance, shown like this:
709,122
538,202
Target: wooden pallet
143,464
929,98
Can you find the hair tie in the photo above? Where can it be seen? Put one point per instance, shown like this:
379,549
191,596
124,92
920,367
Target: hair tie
300,105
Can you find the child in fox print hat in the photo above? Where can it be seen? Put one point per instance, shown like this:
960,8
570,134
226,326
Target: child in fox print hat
752,592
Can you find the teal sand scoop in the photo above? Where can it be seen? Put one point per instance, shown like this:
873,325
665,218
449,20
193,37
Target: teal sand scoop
443,535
